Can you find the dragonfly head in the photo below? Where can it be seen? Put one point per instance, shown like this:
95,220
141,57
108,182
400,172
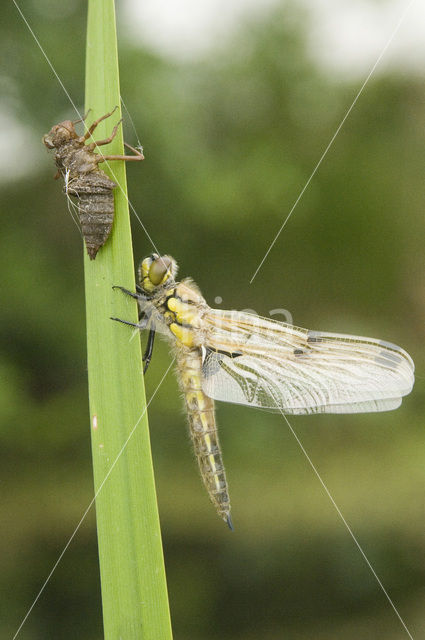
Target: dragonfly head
60,134
156,271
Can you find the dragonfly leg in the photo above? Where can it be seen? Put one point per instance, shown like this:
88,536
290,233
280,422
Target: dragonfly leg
95,123
131,324
137,151
140,295
99,143
136,296
137,156
147,356
143,319
82,117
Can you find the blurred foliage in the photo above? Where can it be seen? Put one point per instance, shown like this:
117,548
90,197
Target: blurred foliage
229,141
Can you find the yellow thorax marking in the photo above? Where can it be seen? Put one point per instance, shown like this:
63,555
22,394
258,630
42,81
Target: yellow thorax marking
185,313
184,334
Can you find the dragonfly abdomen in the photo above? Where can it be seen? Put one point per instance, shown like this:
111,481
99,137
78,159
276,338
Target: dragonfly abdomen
94,192
203,431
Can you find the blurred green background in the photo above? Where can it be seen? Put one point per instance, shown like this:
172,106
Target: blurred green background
230,139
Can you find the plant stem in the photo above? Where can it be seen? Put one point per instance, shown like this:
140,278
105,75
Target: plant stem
134,592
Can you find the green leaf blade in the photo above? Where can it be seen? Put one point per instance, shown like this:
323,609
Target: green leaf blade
134,593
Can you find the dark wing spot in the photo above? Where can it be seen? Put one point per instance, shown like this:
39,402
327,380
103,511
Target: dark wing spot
230,354
211,362
313,339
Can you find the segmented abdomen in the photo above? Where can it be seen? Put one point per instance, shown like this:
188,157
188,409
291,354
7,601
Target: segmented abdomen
95,207
203,430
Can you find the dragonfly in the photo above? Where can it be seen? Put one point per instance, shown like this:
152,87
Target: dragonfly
242,358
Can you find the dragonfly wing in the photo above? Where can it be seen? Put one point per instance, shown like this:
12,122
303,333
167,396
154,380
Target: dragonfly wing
263,363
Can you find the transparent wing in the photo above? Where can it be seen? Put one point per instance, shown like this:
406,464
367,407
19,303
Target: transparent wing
263,363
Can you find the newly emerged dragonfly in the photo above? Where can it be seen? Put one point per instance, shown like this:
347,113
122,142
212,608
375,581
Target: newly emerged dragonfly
78,163
239,357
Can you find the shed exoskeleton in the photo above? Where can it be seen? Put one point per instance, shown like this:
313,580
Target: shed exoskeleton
78,164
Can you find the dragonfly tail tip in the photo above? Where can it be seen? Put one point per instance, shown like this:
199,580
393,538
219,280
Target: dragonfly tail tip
229,522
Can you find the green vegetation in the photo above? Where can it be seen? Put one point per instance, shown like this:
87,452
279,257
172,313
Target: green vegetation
229,143
134,592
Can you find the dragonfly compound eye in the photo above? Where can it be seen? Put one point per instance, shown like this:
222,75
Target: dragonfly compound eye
160,270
